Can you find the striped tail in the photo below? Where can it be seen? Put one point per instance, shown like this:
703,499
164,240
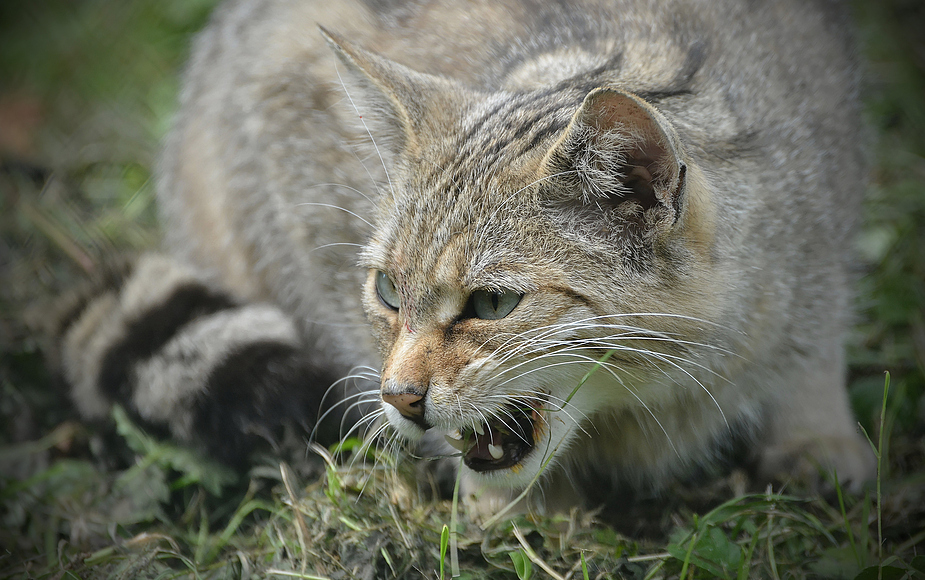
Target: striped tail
187,360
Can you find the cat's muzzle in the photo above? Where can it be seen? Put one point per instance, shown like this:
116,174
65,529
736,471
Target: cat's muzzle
504,440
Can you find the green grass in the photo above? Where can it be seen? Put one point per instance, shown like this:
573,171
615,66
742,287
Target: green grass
86,92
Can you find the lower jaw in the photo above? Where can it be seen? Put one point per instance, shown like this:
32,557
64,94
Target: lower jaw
488,467
509,443
516,477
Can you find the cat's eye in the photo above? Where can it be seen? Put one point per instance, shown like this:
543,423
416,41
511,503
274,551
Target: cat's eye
494,305
386,290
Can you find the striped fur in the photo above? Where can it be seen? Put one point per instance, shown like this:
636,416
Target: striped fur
188,360
457,211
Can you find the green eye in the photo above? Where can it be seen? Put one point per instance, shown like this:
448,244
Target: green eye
386,290
494,305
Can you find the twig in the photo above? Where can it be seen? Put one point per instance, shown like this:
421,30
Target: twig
398,526
45,225
301,529
649,557
295,574
533,557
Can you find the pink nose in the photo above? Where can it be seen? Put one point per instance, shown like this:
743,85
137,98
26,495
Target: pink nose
408,404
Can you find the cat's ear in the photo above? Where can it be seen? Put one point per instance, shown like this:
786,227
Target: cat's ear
618,152
398,103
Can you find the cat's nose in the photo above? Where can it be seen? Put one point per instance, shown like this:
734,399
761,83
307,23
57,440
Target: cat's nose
410,405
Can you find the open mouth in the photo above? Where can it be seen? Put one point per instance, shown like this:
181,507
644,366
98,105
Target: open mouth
505,440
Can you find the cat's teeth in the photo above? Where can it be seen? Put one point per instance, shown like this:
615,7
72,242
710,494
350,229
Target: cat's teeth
457,444
480,430
495,451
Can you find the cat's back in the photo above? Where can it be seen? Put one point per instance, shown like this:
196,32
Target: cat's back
486,44
720,69
757,91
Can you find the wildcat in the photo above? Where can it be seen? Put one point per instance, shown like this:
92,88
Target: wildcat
599,239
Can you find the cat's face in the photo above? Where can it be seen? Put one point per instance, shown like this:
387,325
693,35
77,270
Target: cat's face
493,303
525,265
473,324
490,368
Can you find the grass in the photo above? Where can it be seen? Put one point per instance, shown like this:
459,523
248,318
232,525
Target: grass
86,92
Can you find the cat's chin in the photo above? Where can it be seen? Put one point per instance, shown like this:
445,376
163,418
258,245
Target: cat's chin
406,429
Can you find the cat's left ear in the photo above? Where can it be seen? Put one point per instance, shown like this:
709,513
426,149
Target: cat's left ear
396,102
619,150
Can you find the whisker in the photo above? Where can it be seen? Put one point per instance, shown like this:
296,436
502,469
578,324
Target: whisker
526,401
635,395
335,206
527,396
368,421
539,333
322,246
496,414
671,360
345,186
600,344
358,404
366,127
371,394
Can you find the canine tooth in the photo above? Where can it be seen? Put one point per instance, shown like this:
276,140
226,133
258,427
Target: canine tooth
456,444
479,429
495,451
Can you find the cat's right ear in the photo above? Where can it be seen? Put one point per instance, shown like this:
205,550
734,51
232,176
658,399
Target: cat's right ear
398,104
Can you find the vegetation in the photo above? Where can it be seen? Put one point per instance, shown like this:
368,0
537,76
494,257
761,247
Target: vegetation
86,92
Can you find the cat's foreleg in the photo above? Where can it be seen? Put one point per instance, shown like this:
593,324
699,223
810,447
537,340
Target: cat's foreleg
811,427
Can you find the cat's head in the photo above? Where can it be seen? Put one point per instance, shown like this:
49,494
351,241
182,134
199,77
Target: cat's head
539,258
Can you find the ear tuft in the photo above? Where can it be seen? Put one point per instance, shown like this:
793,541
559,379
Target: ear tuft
618,153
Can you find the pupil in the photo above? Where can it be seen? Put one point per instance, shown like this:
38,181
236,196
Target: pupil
494,301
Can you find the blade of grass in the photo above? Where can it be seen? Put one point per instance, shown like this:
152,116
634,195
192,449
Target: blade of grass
772,561
444,543
58,236
844,514
291,574
587,376
523,494
687,556
454,523
62,433
878,452
886,393
202,537
236,520
747,560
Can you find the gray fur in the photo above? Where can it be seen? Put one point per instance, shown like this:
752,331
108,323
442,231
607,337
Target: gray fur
169,384
427,141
